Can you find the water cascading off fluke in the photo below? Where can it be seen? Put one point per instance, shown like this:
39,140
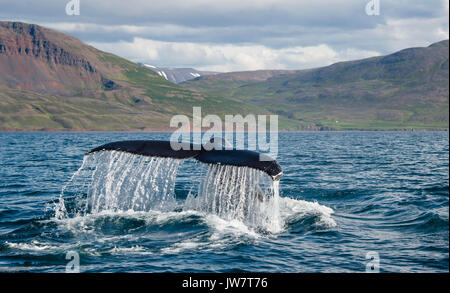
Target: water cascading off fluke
141,175
118,181
238,193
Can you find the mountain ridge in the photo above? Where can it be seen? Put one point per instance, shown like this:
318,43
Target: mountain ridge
26,49
52,81
404,90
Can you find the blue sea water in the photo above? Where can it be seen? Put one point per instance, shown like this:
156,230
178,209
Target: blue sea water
344,196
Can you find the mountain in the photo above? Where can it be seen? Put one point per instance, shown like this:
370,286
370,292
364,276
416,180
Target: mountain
405,90
222,83
52,81
177,75
39,60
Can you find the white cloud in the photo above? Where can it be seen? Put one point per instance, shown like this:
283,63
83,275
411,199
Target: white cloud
397,34
229,57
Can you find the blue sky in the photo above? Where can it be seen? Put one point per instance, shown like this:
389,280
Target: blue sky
238,35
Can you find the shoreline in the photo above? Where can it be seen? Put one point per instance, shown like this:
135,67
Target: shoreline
166,130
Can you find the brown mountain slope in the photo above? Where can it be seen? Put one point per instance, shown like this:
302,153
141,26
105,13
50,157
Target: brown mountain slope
49,80
40,60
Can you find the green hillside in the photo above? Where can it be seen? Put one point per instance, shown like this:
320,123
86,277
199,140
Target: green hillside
405,90
51,81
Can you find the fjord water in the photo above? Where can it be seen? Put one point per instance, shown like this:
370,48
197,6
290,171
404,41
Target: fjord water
343,195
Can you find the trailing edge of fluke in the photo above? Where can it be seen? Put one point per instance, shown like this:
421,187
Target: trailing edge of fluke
159,148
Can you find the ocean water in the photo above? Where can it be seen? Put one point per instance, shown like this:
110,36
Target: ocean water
345,197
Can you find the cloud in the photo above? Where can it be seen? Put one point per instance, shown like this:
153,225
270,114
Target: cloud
228,57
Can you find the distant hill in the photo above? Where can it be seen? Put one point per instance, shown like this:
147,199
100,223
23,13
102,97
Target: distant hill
52,81
405,90
223,83
177,75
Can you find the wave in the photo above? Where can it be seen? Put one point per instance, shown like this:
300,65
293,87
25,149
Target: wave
302,216
429,221
166,232
32,246
434,222
136,249
35,246
292,212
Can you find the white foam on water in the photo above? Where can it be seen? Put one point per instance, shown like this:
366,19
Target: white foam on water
36,246
293,209
183,246
222,234
136,249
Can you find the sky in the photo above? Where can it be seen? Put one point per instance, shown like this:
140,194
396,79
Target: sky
238,35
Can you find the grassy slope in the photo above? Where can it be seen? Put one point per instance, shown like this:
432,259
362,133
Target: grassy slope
144,101
405,90
147,103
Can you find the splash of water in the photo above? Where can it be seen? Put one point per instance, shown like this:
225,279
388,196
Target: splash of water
117,181
123,181
238,193
79,176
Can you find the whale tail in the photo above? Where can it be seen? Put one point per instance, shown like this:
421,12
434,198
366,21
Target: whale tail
205,154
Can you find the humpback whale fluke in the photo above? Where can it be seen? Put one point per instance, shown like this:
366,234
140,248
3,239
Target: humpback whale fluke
150,148
159,148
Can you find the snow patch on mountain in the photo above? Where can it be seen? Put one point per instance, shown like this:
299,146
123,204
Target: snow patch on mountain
176,75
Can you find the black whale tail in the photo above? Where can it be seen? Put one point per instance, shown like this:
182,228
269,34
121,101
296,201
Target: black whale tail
158,148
